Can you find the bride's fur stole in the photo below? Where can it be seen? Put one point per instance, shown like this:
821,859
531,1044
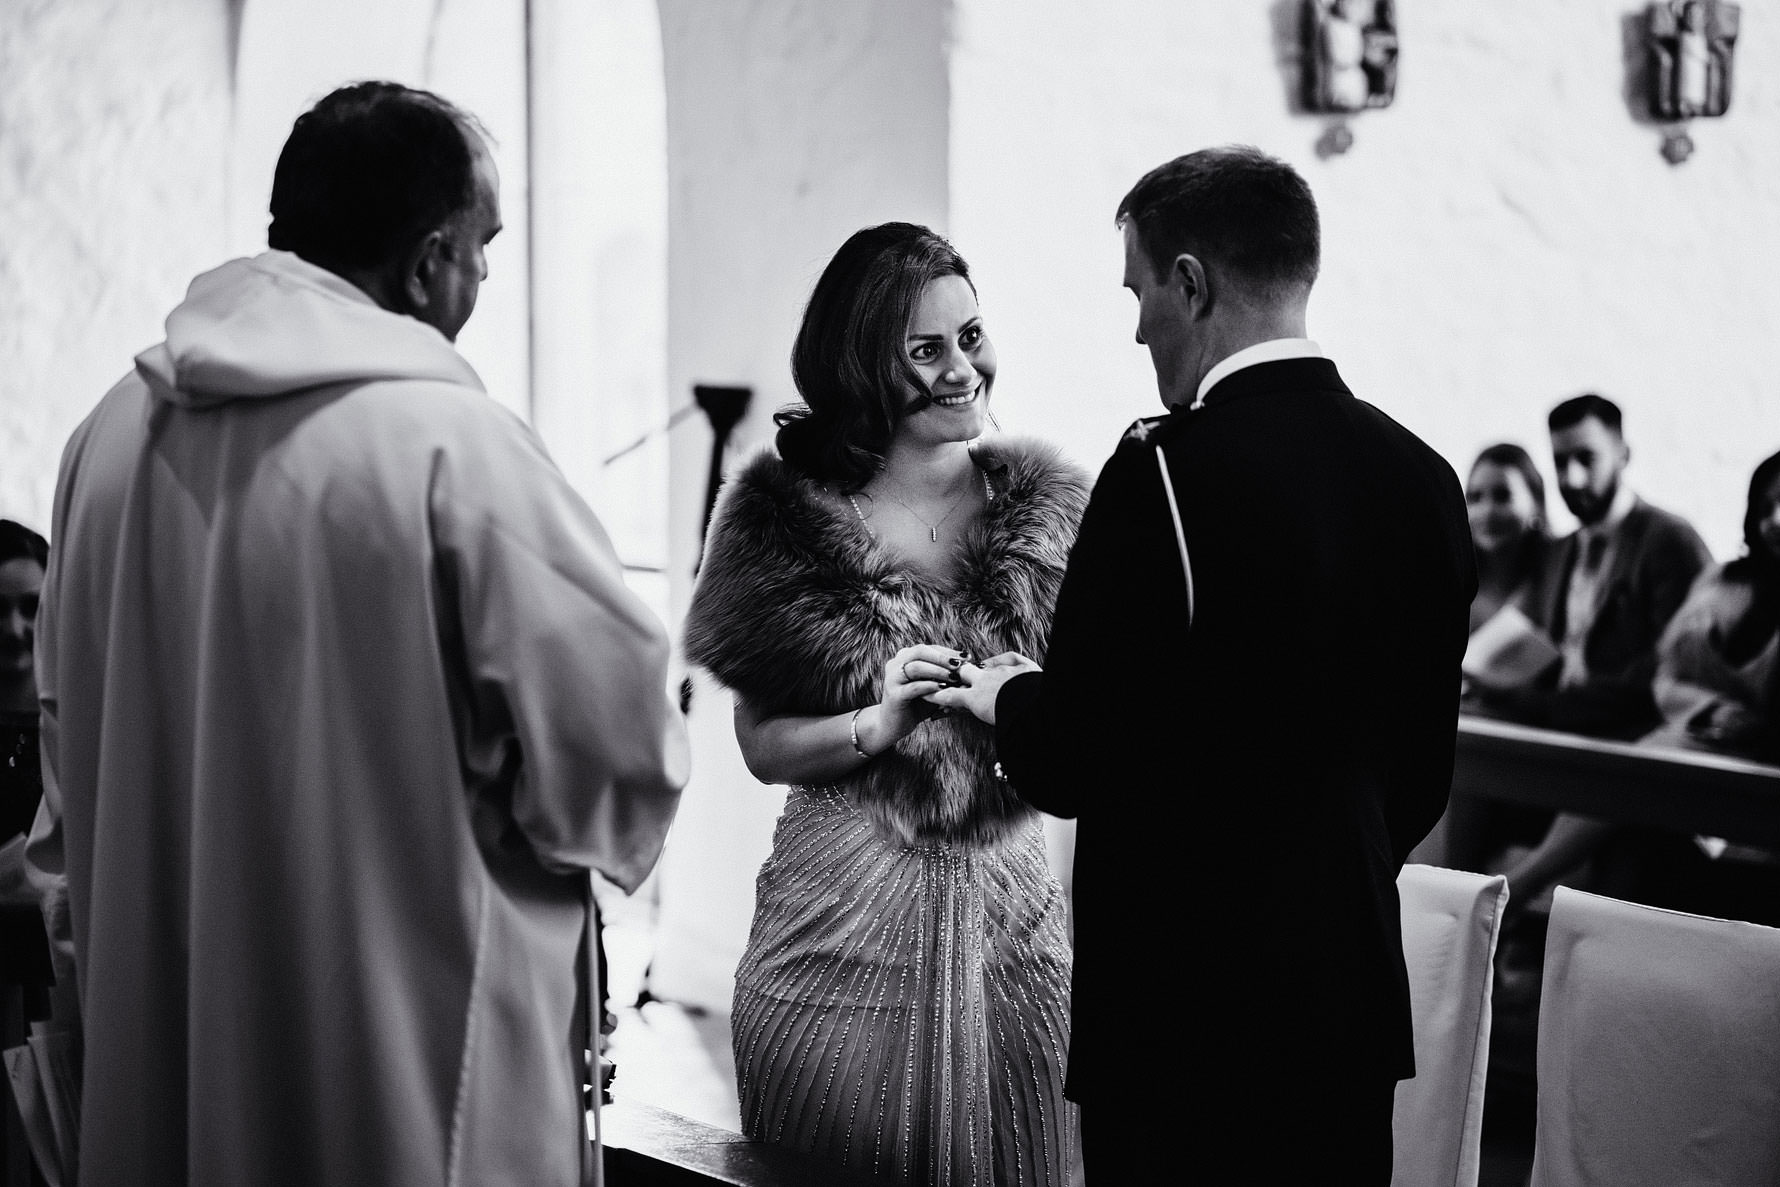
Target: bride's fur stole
797,610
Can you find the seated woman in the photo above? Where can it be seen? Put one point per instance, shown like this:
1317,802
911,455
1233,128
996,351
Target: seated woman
1505,499
24,948
1719,660
23,556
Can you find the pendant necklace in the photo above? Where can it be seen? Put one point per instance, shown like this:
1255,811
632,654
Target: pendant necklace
932,528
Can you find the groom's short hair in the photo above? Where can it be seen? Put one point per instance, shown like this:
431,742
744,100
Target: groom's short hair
1236,209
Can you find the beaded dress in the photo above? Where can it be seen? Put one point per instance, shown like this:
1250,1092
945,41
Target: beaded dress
903,1002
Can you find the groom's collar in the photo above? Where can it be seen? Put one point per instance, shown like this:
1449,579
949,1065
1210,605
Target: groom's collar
1273,350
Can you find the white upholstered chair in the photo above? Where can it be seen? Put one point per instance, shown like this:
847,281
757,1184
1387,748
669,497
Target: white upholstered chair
1659,1048
1450,923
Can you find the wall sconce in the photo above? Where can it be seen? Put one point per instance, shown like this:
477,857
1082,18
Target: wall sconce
1350,61
1690,42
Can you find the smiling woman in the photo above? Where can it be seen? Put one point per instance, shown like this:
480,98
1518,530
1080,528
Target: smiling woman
902,1006
1505,504
950,349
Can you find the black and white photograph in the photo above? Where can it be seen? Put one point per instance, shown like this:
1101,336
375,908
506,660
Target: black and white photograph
955,593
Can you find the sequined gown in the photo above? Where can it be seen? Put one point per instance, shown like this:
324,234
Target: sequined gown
903,1002
906,1009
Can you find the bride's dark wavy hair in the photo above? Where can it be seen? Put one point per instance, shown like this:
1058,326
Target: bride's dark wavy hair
850,361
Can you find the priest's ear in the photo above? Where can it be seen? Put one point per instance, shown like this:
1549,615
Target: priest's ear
422,266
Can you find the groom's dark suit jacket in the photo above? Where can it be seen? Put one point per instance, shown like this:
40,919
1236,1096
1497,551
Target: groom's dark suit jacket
1247,789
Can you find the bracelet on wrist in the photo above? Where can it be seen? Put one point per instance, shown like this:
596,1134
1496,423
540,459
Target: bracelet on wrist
853,728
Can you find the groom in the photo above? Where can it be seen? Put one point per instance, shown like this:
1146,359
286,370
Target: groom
1248,776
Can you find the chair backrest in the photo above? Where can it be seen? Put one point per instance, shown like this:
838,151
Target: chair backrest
1450,923
1659,1048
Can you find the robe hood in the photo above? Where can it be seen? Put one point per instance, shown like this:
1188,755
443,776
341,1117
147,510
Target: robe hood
274,325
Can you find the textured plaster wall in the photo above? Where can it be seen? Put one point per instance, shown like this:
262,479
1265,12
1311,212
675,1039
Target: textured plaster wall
292,52
131,159
791,124
599,194
1505,235
113,135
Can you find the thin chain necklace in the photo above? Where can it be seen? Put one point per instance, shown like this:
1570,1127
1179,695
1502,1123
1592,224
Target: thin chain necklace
932,528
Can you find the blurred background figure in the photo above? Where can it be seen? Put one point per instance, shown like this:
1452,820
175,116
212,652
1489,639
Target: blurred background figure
1605,596
1611,587
1719,660
25,971
1718,686
1505,500
23,557
1505,503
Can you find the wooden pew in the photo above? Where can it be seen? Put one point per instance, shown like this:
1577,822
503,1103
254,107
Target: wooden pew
1689,792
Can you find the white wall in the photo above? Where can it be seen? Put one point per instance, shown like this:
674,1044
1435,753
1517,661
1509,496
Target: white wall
600,282
132,158
292,52
791,124
113,127
1504,236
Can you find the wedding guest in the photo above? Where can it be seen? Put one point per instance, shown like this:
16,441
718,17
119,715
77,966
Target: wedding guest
23,556
24,951
1718,685
1249,703
344,695
1610,589
902,1005
1505,505
1714,677
1718,662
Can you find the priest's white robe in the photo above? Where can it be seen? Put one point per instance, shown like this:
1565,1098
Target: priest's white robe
343,696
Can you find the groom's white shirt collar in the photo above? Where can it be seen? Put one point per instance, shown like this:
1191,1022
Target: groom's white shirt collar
1270,351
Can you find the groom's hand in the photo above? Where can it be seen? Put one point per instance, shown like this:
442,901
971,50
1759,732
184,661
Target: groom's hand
981,685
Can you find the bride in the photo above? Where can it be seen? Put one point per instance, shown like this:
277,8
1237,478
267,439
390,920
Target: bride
902,1005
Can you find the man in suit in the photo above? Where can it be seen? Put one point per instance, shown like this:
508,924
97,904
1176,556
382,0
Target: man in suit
1252,746
1611,588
